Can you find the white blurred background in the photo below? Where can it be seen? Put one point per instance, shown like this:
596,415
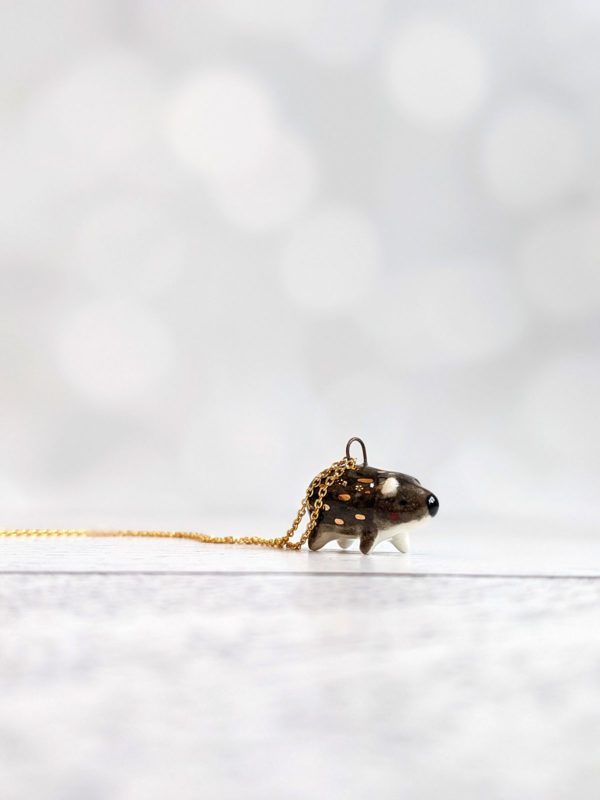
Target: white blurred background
235,233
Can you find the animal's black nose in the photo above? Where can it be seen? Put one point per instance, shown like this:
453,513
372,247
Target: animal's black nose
433,505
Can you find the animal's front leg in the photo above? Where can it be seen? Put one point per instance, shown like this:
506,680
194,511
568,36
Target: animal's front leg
368,540
401,541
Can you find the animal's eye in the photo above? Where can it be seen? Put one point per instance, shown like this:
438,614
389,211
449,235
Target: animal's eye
403,502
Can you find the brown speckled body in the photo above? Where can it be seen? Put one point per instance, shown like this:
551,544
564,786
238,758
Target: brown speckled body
372,505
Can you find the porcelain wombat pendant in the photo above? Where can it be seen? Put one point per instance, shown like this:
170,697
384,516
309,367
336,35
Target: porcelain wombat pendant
373,505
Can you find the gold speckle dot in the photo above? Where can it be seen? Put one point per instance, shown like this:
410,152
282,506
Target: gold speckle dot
326,507
343,497
360,516
339,521
364,480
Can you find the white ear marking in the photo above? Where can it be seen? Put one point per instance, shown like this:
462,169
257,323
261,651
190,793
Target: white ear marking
389,487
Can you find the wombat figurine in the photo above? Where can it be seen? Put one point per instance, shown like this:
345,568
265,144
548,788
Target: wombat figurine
374,505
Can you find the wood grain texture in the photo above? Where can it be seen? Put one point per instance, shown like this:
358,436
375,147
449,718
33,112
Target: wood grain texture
464,547
228,684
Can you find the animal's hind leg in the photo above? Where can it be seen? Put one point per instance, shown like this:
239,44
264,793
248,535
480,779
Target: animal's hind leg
319,537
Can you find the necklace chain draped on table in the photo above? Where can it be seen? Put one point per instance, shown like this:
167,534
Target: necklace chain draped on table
343,502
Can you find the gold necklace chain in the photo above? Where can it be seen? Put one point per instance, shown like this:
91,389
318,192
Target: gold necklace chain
320,484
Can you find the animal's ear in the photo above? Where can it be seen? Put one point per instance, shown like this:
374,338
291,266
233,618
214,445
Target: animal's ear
409,478
389,487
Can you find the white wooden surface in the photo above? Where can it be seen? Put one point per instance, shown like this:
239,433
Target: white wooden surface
148,669
453,547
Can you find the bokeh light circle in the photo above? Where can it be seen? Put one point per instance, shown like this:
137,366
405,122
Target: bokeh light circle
330,259
222,122
436,72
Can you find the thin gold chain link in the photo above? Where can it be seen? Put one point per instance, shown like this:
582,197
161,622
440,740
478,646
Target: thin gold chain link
320,484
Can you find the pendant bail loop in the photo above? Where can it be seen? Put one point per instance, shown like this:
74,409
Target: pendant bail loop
362,444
